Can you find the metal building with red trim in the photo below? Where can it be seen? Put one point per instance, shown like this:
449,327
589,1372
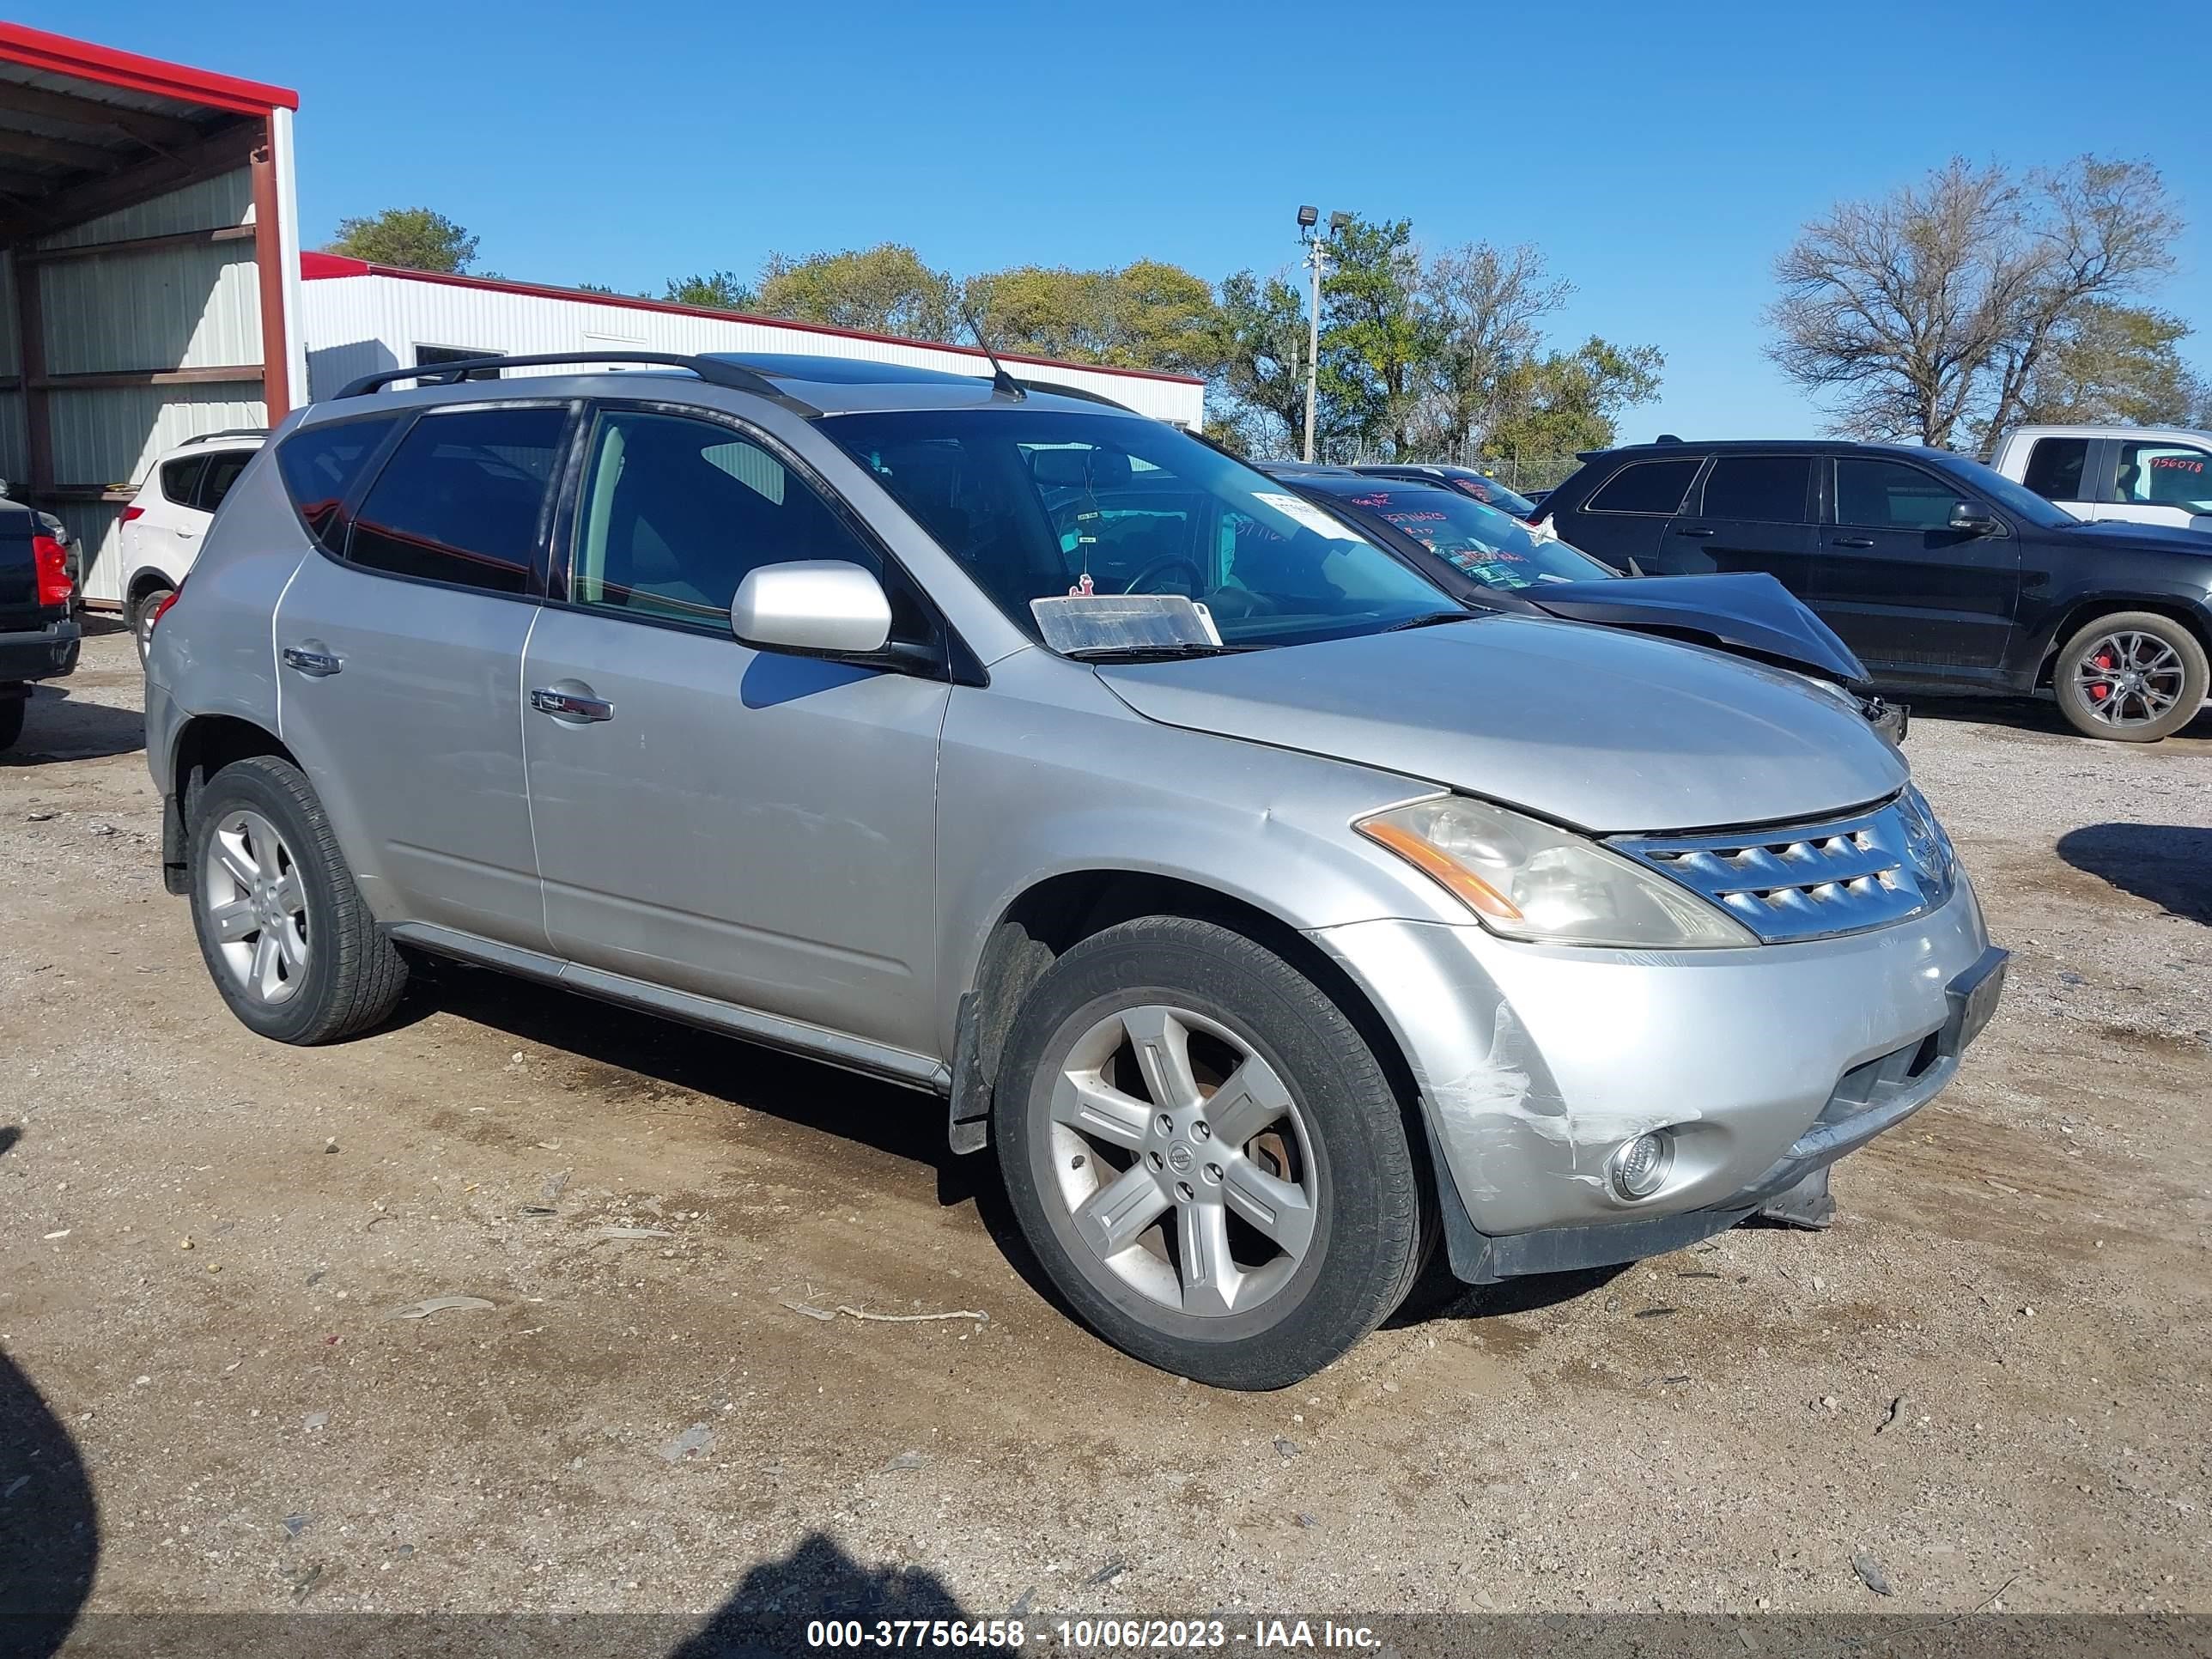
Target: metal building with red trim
150,259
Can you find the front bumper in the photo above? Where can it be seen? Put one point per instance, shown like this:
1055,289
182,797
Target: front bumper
39,653
1535,1062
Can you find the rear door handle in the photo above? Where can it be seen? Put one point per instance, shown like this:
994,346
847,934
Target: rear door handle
1852,541
576,707
311,660
1697,529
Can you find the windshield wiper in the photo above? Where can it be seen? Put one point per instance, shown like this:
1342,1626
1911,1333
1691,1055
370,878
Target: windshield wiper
1149,653
1430,621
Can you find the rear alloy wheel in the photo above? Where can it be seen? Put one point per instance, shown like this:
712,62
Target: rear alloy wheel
282,926
1205,1156
142,617
2135,677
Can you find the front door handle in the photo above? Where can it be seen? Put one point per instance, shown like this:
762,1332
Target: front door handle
1697,529
311,660
1852,541
577,708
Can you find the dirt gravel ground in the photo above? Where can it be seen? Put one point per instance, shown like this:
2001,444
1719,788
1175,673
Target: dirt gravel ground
1989,1383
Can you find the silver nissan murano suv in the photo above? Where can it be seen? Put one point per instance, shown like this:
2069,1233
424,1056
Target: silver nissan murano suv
1277,920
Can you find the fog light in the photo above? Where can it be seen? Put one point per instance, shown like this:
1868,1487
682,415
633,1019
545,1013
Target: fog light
1639,1167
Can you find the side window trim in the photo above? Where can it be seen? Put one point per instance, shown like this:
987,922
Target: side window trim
954,660
534,587
2100,486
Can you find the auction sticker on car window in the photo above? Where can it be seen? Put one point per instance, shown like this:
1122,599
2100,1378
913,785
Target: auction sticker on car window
1306,514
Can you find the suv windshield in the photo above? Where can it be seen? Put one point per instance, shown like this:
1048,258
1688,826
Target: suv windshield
1031,500
1493,547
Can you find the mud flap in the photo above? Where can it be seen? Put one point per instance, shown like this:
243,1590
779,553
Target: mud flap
1806,1205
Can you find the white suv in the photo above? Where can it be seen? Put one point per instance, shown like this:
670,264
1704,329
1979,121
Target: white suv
162,527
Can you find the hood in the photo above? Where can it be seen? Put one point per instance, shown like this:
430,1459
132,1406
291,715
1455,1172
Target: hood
1748,613
1606,730
2125,532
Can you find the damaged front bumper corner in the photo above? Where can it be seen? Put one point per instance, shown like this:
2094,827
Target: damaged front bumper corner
1762,1066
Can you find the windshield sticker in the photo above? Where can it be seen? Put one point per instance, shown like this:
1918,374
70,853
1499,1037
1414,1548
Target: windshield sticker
1305,513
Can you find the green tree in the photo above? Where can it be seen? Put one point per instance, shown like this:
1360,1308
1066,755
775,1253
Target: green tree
1486,306
884,290
2112,364
1148,314
720,290
414,238
1259,388
1554,405
1377,338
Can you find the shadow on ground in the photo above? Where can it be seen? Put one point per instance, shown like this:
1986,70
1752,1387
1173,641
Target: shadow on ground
49,1524
57,726
2168,864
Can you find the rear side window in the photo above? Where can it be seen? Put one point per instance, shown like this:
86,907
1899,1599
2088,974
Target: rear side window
1646,487
179,477
320,465
1759,488
221,472
461,500
2054,468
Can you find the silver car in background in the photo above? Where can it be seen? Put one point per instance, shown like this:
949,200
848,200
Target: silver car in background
1272,917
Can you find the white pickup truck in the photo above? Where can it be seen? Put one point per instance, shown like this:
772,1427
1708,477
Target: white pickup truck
2145,474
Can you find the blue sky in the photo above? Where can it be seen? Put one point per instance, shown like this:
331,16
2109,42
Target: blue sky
1660,155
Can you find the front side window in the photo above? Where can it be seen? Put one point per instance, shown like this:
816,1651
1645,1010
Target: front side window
2055,466
1037,503
1491,546
320,465
1649,487
2165,475
461,499
1890,495
676,511
1759,488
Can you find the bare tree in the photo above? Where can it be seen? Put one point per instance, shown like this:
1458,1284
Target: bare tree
1485,303
1925,313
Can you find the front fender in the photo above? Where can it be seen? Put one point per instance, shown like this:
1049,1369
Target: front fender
1044,773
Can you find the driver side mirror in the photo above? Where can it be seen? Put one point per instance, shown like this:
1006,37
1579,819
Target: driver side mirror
1967,520
821,607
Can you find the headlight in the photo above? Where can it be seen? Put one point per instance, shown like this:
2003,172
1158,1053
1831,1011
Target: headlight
1935,860
1527,880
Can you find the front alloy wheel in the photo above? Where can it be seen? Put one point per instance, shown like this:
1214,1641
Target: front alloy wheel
2136,677
1206,1155
1182,1164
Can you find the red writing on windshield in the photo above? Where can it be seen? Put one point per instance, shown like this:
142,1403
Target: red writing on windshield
2180,463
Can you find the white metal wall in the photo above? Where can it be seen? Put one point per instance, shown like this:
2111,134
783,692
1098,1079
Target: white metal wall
168,308
363,324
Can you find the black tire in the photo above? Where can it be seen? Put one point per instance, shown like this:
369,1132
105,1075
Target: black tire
12,708
1369,1224
353,977
141,611
2078,703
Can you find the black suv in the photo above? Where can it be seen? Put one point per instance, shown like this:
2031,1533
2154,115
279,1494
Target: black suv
1941,574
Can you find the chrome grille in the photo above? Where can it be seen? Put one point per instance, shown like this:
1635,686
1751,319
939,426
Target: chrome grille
1812,881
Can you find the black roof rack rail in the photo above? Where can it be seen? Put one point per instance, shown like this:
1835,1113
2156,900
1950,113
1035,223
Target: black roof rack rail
716,371
227,432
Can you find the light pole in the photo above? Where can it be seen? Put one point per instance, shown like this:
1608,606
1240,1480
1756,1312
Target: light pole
1317,254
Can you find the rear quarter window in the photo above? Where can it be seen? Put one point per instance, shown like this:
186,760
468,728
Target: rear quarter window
180,477
320,465
1646,487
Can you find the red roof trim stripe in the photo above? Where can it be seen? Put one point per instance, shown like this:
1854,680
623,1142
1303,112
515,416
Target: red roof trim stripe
59,55
315,266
